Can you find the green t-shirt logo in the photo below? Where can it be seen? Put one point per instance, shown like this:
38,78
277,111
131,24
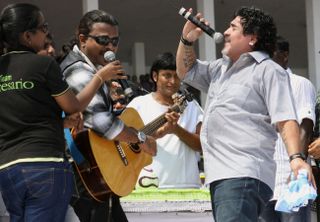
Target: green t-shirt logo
7,84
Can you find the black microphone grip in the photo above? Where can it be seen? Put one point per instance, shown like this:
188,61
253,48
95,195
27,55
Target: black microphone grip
110,57
126,87
187,15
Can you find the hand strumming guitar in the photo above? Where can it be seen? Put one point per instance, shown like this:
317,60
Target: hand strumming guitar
150,146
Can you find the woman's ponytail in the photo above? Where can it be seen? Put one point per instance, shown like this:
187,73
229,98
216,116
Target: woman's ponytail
1,38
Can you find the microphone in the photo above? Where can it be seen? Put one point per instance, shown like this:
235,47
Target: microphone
217,36
109,56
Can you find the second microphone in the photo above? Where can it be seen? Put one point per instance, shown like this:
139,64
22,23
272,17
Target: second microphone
109,56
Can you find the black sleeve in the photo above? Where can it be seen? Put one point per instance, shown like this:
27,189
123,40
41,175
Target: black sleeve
55,81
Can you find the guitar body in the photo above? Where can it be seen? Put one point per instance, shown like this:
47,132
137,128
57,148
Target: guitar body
111,166
107,172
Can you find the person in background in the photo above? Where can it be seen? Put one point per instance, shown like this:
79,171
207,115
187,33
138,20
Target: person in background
146,83
314,147
136,86
49,47
97,33
304,97
176,164
74,121
36,178
314,152
248,99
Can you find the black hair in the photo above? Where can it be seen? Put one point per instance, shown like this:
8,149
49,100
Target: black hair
95,16
282,44
14,20
255,21
85,27
164,61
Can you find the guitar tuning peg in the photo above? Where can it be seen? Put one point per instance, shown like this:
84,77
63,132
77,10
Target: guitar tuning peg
188,95
174,96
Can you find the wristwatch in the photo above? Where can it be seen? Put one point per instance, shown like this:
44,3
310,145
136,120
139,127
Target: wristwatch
141,137
297,155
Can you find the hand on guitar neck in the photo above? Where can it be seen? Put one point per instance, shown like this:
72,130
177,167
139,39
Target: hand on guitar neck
170,126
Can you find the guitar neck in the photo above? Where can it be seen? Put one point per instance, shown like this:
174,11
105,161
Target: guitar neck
151,127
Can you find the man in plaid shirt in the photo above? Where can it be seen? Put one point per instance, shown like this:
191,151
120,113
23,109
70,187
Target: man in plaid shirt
98,33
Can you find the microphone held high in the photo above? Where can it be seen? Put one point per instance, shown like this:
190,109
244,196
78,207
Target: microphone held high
217,36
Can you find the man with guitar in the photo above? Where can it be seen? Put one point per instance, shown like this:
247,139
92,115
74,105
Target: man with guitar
97,33
176,163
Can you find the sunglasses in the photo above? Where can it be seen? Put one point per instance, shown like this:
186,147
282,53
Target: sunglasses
122,101
105,40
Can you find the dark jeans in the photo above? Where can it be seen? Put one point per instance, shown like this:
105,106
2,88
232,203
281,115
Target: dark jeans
37,191
271,215
89,210
238,199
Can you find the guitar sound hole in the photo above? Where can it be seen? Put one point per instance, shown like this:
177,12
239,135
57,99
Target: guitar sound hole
135,147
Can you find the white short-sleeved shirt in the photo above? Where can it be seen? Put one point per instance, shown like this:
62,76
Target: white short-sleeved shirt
175,164
304,95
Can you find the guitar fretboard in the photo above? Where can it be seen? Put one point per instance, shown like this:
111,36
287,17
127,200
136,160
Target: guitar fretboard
151,127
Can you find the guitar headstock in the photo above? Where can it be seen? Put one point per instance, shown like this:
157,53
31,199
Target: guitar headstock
180,100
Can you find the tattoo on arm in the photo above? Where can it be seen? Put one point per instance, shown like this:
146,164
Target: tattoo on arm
189,57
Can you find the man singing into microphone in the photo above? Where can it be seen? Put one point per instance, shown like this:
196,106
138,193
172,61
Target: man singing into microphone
97,33
249,98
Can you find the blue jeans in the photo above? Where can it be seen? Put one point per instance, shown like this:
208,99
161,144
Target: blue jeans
238,199
37,191
271,215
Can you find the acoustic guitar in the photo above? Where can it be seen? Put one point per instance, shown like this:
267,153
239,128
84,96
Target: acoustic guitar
111,166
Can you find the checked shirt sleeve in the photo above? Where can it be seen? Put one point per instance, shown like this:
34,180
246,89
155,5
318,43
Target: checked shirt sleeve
98,115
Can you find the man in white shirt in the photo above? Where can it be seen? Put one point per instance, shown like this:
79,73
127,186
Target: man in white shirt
176,163
304,96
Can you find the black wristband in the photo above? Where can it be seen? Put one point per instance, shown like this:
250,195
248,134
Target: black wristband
185,42
297,155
